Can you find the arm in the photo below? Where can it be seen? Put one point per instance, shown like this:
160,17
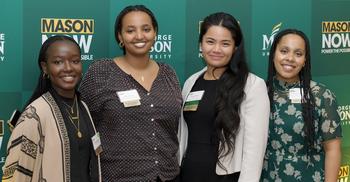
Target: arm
92,88
182,134
256,117
90,85
332,159
23,149
331,134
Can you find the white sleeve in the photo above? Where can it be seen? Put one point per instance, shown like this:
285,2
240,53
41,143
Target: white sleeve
255,113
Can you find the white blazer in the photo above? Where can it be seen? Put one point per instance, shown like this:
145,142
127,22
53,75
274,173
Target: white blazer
251,140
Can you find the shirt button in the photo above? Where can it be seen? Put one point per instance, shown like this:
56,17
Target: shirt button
151,105
156,162
152,119
155,148
148,93
153,134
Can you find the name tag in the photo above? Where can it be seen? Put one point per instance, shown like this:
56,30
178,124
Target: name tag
129,98
295,95
96,142
192,100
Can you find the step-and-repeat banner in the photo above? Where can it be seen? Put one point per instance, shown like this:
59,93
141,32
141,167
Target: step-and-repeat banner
24,25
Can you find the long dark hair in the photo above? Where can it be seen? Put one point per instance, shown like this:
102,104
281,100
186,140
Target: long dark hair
119,20
44,83
308,102
230,92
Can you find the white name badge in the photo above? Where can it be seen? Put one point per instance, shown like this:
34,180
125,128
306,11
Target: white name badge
129,98
194,96
295,95
96,142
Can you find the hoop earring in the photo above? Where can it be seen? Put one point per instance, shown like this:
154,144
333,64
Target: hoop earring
121,44
46,76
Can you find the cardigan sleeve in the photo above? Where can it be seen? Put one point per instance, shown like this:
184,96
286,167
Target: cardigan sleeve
256,117
24,148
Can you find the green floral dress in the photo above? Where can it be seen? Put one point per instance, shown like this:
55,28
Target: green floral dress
286,157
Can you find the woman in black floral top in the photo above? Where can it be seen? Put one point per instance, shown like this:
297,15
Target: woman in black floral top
304,135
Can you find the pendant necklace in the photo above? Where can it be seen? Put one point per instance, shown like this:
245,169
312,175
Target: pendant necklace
72,117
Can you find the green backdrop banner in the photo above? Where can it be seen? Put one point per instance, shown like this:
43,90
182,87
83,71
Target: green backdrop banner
24,25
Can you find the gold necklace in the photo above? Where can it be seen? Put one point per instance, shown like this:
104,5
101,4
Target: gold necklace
137,74
70,107
71,117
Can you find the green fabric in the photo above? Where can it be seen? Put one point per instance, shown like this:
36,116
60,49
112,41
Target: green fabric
286,157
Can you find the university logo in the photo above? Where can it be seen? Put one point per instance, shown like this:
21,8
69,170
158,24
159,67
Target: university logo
2,47
268,39
161,50
344,113
81,30
343,174
335,37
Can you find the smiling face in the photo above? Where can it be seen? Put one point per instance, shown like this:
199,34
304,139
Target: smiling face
137,33
217,47
63,66
289,58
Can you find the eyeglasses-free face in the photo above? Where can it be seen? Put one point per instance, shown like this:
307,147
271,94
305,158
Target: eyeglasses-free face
64,67
217,47
137,33
289,58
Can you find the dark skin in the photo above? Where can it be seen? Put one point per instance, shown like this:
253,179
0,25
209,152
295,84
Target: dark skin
64,67
138,34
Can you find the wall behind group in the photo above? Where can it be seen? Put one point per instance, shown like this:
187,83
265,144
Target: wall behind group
24,25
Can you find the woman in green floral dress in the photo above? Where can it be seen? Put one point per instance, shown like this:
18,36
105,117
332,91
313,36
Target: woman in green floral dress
304,131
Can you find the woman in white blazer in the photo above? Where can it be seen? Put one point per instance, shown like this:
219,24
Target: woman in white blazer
224,124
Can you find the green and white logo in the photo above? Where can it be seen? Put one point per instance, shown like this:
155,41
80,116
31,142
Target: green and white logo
268,39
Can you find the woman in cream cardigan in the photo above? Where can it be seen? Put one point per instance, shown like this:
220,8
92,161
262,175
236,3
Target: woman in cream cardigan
224,124
54,138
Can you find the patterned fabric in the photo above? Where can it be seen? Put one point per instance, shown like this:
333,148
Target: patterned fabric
62,132
140,143
286,157
29,147
23,148
38,143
